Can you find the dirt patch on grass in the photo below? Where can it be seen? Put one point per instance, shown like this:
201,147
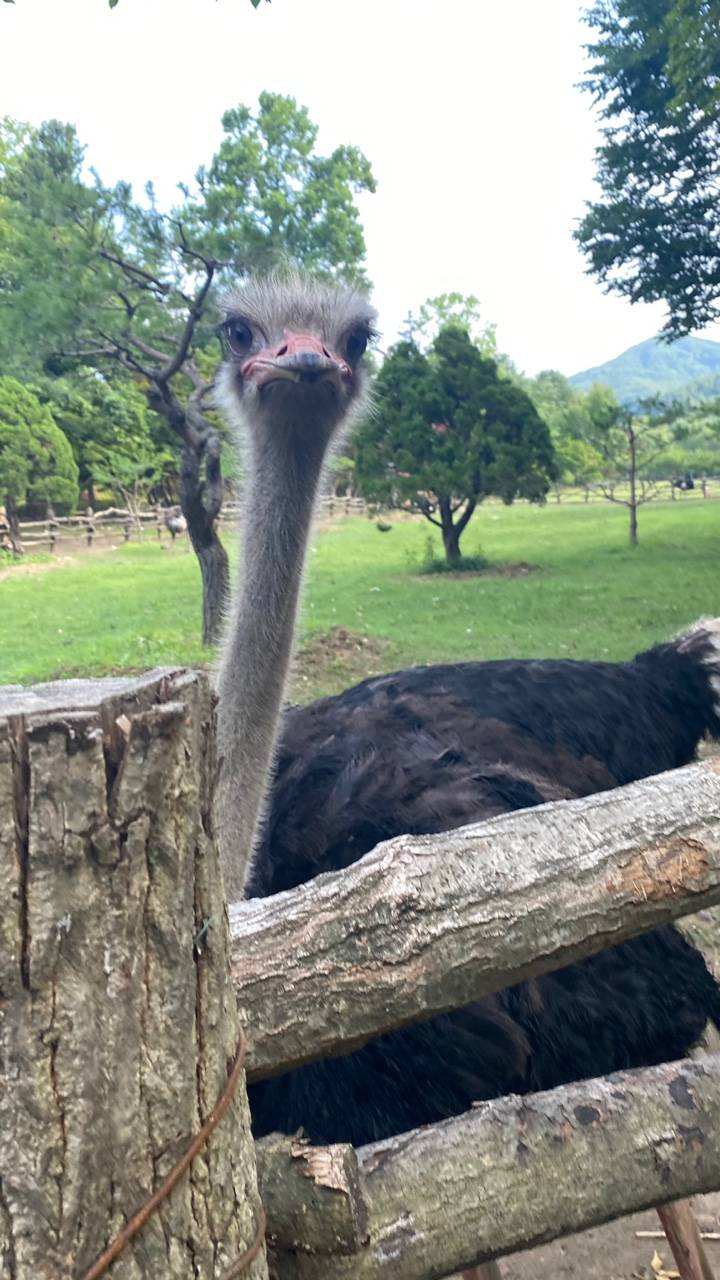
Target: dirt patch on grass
330,661
520,570
23,569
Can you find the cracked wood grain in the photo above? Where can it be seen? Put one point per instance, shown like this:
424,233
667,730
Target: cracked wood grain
516,1172
116,1030
425,924
312,1195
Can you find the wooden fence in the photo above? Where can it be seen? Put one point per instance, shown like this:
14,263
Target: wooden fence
121,993
117,524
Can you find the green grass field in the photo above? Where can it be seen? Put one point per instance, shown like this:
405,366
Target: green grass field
589,596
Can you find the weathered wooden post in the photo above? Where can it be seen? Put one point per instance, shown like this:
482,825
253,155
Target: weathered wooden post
118,1024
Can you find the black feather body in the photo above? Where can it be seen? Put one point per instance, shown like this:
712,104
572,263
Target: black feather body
432,748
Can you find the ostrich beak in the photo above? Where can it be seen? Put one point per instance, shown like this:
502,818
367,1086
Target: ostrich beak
301,357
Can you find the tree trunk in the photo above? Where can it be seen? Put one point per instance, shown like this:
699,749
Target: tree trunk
633,504
451,532
201,501
201,495
633,525
451,543
13,524
118,1020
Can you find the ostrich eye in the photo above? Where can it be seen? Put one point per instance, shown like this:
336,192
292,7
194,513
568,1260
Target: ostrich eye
356,344
239,336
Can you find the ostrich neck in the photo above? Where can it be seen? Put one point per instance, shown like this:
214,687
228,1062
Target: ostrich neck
282,487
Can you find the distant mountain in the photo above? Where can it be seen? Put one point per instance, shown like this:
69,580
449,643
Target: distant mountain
688,369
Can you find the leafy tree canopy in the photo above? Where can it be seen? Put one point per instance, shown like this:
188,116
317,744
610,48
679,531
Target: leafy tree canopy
267,197
655,233
463,311
450,430
36,461
578,461
109,426
569,412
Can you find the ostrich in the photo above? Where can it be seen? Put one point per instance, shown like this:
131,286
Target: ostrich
293,377
431,748
175,522
435,747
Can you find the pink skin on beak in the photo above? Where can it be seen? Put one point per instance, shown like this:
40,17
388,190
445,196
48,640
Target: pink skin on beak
299,354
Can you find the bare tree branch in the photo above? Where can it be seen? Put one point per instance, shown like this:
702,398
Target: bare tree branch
121,351
195,314
135,273
466,515
621,502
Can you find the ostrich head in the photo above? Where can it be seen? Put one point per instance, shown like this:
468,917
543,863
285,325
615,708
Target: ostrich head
293,363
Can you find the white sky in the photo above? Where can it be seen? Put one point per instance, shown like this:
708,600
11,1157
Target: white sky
467,110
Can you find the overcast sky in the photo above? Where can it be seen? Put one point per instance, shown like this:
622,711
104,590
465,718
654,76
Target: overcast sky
481,144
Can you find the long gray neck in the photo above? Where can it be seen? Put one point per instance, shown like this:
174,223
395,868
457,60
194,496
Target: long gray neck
280,497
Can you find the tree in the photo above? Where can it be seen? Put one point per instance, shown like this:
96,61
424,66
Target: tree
630,446
578,462
655,233
448,431
90,276
577,420
461,310
559,404
268,199
36,460
109,426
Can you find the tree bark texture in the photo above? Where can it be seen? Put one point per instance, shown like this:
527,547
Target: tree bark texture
450,534
312,1195
425,924
117,1020
633,503
516,1172
13,524
201,502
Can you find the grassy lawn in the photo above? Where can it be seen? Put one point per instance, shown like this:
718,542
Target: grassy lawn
369,609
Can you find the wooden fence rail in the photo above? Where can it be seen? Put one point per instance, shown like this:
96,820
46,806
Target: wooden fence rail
508,1175
427,923
117,1020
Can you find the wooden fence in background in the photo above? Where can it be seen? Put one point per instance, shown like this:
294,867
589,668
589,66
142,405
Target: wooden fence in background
118,524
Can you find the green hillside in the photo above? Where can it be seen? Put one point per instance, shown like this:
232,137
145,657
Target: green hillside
688,369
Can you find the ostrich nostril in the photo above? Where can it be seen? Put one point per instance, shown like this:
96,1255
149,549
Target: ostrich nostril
327,353
282,351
